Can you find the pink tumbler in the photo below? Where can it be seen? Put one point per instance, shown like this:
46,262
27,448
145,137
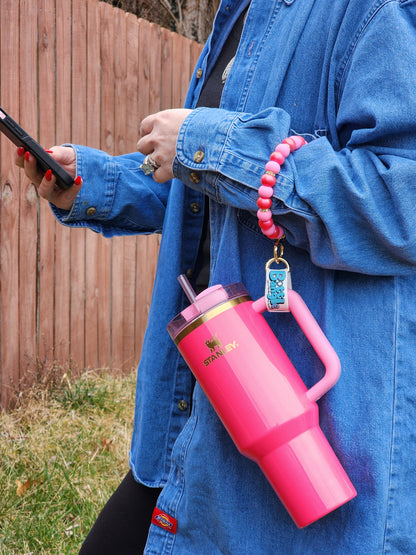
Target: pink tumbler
263,403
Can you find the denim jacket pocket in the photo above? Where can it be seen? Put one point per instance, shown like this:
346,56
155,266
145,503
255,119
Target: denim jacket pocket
250,222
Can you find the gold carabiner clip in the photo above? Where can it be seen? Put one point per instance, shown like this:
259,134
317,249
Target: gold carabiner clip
278,255
278,252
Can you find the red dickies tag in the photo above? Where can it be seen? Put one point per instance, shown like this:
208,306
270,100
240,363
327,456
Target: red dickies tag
164,521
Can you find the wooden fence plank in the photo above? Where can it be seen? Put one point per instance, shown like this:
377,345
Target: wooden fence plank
107,144
177,50
144,69
107,78
130,303
132,136
143,111
92,278
46,63
155,69
132,82
186,56
120,319
166,38
120,76
28,217
79,136
9,231
63,135
148,246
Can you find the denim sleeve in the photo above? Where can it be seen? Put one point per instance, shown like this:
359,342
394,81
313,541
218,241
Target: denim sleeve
116,198
348,198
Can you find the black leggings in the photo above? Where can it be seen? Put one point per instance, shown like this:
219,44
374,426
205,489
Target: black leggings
123,525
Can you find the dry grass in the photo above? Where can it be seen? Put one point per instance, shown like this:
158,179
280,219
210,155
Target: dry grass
63,451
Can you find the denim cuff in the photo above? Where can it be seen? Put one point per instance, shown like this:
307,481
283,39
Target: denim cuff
223,153
95,201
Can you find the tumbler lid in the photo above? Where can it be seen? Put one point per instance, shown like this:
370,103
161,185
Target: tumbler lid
204,302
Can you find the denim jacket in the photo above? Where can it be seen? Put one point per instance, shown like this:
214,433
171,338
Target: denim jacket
342,74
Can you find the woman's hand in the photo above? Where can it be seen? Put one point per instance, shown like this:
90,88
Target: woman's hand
46,183
159,135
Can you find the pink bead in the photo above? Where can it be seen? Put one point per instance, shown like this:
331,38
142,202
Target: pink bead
268,180
264,203
266,225
278,233
290,142
270,230
298,140
265,192
273,167
264,215
277,157
283,149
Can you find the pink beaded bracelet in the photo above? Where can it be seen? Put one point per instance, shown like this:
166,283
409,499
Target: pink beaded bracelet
268,181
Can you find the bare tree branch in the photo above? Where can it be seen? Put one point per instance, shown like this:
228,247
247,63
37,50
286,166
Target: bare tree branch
191,18
168,7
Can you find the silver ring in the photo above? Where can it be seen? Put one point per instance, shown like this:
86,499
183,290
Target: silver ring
149,165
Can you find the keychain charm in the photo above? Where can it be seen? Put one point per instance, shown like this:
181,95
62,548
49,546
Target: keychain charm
278,281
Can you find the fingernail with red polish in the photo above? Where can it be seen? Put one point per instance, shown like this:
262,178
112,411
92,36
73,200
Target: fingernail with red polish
27,155
20,151
78,180
48,175
49,151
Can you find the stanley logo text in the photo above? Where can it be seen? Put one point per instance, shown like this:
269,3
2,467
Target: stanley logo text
217,350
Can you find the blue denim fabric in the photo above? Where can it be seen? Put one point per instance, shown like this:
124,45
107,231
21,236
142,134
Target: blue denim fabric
343,74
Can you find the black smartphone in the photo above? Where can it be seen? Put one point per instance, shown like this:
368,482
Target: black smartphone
21,138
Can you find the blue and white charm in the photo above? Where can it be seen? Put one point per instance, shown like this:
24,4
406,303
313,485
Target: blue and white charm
278,281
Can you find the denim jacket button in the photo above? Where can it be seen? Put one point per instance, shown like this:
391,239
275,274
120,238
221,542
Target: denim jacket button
199,156
199,73
195,207
91,211
183,405
195,177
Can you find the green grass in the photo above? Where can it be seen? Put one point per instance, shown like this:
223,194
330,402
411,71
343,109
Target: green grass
63,451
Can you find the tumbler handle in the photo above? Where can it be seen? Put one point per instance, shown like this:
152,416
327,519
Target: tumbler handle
317,339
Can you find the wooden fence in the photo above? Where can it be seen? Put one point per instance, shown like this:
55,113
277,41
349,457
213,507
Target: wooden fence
85,72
